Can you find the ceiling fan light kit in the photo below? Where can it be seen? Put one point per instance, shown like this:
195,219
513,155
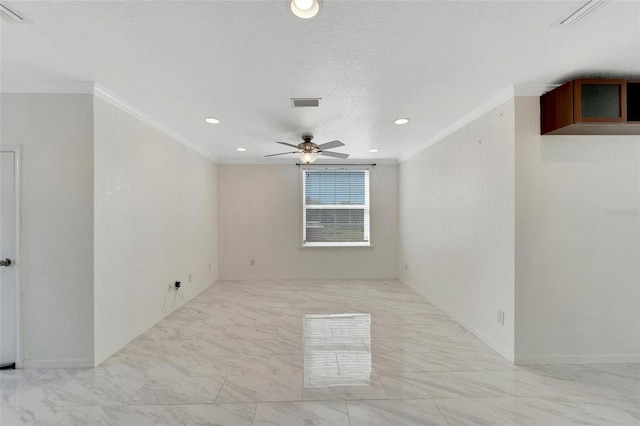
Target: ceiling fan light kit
308,157
305,9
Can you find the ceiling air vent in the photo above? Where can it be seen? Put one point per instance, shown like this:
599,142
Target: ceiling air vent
305,102
575,17
11,14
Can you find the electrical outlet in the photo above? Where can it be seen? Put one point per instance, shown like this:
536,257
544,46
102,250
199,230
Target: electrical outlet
189,276
252,262
406,266
209,266
501,317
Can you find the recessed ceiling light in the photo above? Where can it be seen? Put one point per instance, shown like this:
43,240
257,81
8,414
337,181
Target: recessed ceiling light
212,120
401,121
305,8
374,150
241,149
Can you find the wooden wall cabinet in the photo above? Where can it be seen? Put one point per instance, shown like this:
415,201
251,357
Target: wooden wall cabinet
592,107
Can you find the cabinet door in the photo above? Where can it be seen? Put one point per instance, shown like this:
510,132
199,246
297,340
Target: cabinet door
633,101
556,108
599,101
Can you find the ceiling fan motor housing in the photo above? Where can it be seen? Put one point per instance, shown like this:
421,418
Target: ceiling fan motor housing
307,145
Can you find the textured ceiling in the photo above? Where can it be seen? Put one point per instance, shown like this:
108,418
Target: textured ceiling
370,62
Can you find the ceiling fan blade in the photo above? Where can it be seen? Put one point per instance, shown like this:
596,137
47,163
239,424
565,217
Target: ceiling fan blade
333,154
329,145
287,144
282,153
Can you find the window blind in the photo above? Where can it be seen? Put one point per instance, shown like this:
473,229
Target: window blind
335,207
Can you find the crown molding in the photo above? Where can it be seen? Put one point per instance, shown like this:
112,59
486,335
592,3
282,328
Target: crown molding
88,88
533,89
122,104
497,100
73,88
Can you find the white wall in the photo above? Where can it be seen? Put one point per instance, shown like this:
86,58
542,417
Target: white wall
155,223
260,219
457,225
551,222
56,135
577,268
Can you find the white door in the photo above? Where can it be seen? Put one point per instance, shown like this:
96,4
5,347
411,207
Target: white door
8,279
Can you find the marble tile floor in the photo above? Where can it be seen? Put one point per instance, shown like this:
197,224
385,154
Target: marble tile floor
313,353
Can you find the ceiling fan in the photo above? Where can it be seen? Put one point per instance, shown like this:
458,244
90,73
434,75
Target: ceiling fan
309,151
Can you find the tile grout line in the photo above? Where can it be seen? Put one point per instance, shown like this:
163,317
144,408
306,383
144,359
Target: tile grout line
346,405
161,414
253,419
440,411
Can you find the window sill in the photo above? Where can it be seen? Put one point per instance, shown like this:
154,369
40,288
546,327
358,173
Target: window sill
329,245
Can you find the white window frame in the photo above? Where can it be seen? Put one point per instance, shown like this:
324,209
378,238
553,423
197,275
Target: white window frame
366,206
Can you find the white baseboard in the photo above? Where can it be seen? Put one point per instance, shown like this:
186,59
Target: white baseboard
535,358
578,359
100,358
309,278
57,363
505,352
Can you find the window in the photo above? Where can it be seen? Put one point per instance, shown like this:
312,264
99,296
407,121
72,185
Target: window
335,207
